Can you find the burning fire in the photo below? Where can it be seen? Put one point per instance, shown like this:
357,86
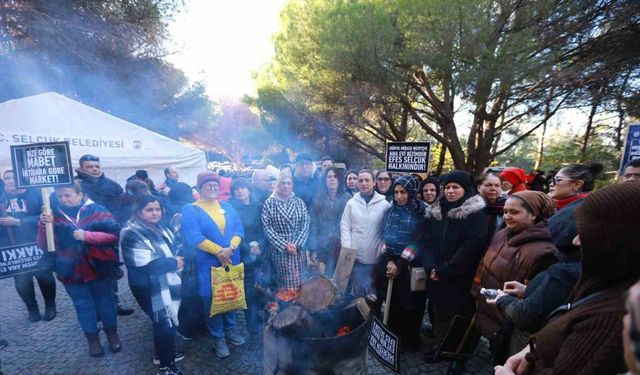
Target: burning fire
286,295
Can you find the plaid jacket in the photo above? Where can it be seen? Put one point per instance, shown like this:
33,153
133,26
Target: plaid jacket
285,222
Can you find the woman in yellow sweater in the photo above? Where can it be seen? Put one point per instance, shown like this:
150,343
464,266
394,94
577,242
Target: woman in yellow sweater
214,230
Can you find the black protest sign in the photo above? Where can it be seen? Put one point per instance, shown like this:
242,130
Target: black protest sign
631,146
412,157
384,345
42,164
20,258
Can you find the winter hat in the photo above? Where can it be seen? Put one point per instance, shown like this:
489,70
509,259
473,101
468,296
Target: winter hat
608,222
540,203
462,178
207,176
410,184
430,180
515,176
634,316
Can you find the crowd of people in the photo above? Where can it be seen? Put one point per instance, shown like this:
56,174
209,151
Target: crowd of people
534,242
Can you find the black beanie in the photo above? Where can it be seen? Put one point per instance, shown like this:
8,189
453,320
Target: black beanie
608,223
462,178
430,180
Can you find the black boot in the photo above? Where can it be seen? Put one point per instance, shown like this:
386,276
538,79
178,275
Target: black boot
34,313
95,349
50,311
115,345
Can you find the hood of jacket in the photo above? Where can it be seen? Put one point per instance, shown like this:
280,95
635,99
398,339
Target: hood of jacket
470,206
538,232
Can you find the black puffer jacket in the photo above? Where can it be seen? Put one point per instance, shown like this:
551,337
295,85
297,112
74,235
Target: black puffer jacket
250,216
453,245
102,190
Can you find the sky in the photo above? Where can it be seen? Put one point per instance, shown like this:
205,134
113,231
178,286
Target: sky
222,42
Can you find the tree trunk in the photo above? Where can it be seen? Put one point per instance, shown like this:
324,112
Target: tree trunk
595,102
540,153
441,159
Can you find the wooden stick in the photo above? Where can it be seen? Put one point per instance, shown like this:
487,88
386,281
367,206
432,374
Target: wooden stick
51,244
3,213
387,306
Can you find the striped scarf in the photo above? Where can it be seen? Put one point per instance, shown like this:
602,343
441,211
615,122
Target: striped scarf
141,244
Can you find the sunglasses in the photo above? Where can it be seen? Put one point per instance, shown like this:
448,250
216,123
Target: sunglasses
89,158
555,180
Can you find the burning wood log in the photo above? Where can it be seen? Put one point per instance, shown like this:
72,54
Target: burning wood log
316,294
293,321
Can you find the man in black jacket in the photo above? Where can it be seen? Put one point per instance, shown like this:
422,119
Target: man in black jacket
107,193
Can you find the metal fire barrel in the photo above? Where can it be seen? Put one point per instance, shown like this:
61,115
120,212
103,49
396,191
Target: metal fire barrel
339,355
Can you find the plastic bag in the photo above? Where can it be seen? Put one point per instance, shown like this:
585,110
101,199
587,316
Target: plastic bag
227,286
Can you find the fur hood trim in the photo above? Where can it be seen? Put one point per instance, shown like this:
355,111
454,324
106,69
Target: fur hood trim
470,206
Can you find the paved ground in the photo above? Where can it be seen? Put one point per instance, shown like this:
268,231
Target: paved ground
59,347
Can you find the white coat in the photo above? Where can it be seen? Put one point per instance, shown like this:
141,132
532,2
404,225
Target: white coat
361,226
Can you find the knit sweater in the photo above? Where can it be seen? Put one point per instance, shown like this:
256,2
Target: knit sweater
586,340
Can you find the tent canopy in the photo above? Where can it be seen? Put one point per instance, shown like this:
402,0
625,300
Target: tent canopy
121,146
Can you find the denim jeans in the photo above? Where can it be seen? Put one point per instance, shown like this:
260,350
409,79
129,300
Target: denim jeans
93,300
26,289
217,325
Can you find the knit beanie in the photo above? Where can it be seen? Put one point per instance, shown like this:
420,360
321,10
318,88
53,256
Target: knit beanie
543,205
608,223
205,177
462,178
410,184
515,176
430,180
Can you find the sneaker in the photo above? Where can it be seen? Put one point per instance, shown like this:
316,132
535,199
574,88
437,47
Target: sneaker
221,348
177,357
171,370
235,338
184,336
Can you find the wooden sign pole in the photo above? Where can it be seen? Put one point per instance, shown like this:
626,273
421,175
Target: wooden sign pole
51,244
387,304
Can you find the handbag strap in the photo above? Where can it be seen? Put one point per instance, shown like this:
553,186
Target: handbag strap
563,309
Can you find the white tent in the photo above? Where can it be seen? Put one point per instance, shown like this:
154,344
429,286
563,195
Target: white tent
122,146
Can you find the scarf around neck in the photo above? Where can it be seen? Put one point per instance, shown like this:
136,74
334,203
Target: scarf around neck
165,287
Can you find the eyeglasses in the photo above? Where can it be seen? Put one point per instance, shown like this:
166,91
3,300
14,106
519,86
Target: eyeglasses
555,180
211,186
383,179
